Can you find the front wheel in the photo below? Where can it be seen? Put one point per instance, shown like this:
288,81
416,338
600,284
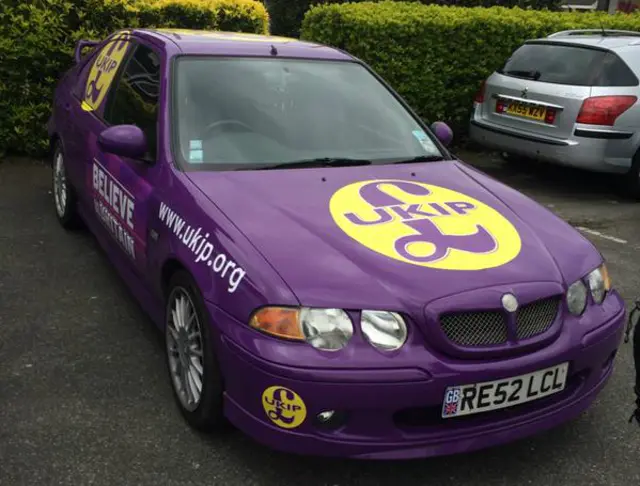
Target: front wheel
193,367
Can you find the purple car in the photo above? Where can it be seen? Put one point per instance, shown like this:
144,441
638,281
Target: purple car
329,278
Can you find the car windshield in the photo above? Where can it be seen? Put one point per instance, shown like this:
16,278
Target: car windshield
241,113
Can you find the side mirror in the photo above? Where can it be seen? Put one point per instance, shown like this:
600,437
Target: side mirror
124,140
442,132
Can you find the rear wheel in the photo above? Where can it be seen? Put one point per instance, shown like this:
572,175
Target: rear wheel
510,160
631,180
193,367
64,196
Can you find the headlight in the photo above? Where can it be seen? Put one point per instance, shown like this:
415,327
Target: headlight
326,329
577,298
384,330
599,283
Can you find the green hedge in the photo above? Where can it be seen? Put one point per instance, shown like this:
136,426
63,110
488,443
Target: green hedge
37,41
436,57
287,15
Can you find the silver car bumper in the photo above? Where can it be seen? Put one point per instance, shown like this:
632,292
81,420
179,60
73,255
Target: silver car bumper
597,150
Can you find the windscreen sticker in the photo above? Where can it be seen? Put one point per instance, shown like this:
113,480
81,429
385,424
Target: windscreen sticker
104,70
284,407
197,241
420,135
196,156
426,225
424,140
115,208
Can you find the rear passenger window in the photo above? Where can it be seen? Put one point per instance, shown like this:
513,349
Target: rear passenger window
571,65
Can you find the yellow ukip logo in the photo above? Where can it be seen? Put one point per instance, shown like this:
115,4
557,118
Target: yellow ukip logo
425,225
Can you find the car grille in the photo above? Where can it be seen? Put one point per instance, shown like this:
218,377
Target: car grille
475,328
536,318
489,328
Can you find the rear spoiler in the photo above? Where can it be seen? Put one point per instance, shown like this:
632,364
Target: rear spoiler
80,45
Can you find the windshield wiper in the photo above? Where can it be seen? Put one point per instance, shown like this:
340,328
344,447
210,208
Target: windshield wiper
421,158
319,162
535,75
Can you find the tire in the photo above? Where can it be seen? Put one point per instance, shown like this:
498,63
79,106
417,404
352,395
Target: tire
513,160
64,196
631,180
203,413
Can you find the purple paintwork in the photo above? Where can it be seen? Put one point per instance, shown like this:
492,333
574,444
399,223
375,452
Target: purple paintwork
443,132
124,140
256,238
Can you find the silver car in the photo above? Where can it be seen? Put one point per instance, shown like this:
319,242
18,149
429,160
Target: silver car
571,99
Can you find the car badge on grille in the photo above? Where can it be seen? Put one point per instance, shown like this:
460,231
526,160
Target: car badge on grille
524,92
509,302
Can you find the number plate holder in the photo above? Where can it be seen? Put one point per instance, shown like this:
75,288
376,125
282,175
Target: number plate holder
494,395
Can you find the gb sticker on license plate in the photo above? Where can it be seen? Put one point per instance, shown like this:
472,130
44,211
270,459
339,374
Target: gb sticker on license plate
451,400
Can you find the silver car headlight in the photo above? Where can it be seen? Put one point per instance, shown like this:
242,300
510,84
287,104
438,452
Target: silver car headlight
384,330
599,283
577,298
326,329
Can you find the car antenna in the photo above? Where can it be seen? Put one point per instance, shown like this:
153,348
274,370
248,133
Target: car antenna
274,51
604,34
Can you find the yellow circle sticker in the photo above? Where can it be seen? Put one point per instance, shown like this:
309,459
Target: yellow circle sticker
426,225
104,70
284,407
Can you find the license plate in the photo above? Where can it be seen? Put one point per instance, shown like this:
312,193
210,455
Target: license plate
522,110
494,395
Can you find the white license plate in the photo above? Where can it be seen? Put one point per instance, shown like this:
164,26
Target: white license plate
494,395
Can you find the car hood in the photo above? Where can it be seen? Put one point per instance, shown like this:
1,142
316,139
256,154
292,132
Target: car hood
396,236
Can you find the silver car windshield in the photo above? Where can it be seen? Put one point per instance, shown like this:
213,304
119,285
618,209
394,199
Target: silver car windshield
241,112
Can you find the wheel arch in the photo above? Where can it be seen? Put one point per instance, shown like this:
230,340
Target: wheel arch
170,267
54,139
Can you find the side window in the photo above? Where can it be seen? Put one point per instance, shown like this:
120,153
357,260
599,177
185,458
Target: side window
134,99
613,71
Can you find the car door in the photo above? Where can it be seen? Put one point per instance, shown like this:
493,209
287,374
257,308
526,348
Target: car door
121,188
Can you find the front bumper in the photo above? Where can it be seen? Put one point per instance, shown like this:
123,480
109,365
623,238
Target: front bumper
398,416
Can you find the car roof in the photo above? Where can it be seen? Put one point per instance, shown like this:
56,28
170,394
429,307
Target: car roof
198,42
612,40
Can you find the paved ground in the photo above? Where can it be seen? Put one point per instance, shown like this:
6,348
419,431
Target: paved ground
84,398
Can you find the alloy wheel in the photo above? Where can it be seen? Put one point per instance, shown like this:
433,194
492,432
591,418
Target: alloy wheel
185,349
60,185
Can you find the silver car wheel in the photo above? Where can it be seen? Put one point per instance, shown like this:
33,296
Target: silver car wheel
60,185
184,348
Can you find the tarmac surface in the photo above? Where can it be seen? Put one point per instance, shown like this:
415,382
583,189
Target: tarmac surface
85,399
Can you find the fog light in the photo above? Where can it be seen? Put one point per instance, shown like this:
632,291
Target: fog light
326,416
331,419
